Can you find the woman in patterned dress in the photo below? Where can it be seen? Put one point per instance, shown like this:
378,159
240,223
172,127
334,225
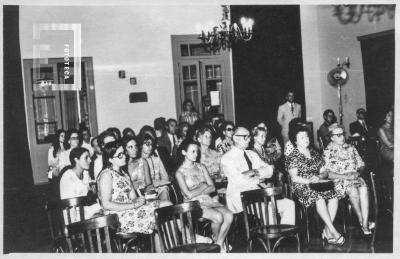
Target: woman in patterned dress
344,165
225,142
196,184
188,115
210,158
158,174
117,194
305,166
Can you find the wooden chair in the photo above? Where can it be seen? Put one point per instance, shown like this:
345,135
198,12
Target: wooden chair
375,205
92,235
256,217
62,213
176,228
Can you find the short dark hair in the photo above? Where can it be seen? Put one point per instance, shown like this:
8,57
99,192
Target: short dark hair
126,131
116,132
186,101
102,136
145,129
328,111
171,120
68,136
296,130
76,153
159,123
109,151
93,139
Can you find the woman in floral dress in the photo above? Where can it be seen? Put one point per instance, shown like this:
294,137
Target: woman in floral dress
305,166
117,194
344,165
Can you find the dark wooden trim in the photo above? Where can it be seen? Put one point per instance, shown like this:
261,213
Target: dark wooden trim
375,35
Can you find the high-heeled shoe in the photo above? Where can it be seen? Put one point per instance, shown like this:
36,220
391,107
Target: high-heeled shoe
366,231
326,238
339,241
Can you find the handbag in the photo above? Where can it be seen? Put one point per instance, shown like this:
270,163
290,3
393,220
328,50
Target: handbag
322,186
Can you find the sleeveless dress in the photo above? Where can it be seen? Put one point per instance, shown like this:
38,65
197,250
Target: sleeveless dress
387,152
307,168
193,178
139,220
137,175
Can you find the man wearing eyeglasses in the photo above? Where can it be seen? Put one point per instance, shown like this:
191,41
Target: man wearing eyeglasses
245,171
287,112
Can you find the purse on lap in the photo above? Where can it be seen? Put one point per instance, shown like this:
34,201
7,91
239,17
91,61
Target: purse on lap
322,186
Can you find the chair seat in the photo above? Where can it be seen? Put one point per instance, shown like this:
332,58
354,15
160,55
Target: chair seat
196,248
275,231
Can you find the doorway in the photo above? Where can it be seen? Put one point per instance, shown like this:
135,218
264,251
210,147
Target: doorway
378,64
49,108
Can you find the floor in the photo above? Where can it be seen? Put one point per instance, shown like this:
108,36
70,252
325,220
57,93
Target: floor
26,230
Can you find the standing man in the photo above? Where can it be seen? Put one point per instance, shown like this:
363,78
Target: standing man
287,112
245,171
359,127
168,139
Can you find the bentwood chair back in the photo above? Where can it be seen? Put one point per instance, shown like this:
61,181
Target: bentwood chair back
93,235
62,213
176,227
261,219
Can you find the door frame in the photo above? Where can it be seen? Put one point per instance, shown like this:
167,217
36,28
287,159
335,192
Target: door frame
38,172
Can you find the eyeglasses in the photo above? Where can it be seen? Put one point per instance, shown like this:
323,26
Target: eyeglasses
120,155
339,134
229,129
245,137
73,138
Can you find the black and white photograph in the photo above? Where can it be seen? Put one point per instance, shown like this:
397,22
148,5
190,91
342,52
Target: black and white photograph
231,127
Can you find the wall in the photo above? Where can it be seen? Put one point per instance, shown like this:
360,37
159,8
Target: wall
324,39
132,38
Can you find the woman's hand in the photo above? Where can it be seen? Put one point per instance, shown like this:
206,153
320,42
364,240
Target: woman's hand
138,202
314,179
352,176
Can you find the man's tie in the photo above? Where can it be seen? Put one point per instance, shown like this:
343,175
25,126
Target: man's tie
292,108
248,161
365,127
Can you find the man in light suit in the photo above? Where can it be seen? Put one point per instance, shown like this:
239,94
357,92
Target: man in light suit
245,171
287,112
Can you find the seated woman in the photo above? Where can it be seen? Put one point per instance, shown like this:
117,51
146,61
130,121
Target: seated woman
268,155
344,165
225,142
386,137
272,146
196,184
72,140
117,194
305,166
75,180
137,167
53,157
210,158
158,174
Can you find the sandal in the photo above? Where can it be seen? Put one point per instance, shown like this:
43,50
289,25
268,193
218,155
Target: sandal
339,241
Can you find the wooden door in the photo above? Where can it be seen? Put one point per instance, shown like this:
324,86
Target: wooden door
49,109
378,65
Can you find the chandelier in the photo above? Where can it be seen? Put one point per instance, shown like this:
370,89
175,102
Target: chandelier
223,35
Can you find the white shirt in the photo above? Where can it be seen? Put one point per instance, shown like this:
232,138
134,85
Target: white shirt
64,159
98,166
71,187
173,140
233,163
88,147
